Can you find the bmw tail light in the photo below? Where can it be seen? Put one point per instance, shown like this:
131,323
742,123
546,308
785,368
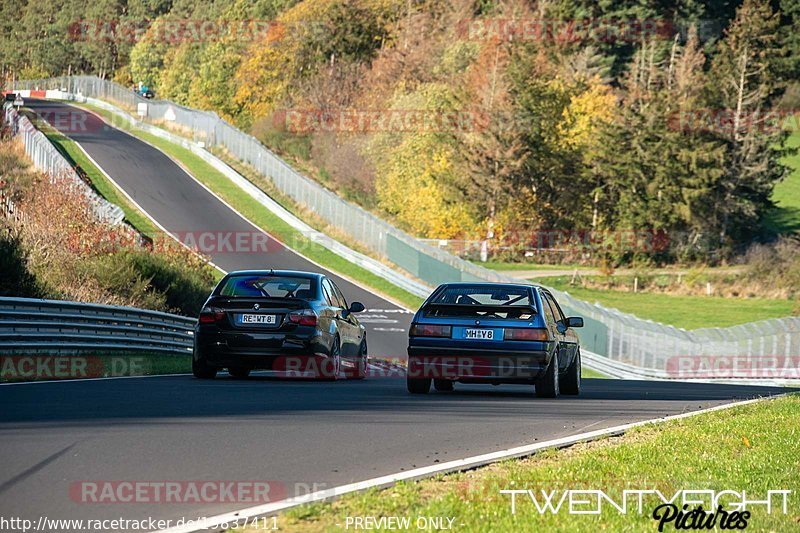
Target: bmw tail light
429,330
526,334
306,317
209,315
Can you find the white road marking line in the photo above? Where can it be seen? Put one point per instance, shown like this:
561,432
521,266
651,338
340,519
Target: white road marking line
428,471
42,382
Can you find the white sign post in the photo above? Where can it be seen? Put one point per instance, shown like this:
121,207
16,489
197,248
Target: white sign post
141,109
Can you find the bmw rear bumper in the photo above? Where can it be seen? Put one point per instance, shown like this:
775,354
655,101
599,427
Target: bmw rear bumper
260,351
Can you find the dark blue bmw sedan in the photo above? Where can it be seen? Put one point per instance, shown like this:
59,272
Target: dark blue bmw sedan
493,333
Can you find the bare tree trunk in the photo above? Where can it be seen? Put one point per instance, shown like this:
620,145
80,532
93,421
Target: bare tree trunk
492,203
737,117
672,55
494,179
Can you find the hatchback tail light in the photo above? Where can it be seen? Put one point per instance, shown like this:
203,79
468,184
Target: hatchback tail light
305,317
209,315
429,330
526,334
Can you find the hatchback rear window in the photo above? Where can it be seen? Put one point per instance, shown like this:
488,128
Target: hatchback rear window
488,301
269,287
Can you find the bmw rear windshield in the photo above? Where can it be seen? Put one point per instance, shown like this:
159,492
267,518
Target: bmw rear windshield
482,300
268,286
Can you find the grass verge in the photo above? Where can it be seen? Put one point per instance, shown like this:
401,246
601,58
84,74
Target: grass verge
510,266
754,448
690,312
589,373
47,367
262,217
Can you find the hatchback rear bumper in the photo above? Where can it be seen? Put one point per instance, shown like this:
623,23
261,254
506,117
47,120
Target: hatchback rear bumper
476,365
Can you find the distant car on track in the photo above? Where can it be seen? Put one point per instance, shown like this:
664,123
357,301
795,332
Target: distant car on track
493,333
296,323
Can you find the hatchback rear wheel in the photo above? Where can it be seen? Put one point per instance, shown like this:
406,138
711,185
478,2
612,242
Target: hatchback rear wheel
418,385
571,381
443,385
547,386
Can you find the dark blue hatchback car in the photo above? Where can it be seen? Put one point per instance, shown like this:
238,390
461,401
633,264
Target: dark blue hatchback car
493,333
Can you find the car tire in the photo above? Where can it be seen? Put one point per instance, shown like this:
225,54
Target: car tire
547,386
239,372
418,385
571,381
443,385
202,370
361,362
336,361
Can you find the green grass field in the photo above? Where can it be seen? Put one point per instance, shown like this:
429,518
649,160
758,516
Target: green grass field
506,265
589,373
785,218
690,312
754,448
264,218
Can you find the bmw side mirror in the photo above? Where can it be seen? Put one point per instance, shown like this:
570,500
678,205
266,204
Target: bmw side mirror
575,322
356,307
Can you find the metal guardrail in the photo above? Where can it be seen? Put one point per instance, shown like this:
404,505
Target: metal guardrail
29,325
49,160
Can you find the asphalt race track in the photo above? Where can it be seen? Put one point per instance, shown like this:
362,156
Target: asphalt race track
300,435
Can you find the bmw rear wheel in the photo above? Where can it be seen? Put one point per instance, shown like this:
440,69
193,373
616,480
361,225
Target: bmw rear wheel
361,362
239,372
202,370
331,370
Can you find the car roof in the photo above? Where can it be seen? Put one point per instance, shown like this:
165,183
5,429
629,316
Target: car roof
520,285
270,272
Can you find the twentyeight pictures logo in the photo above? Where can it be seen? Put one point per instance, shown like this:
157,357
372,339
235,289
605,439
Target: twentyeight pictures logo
680,509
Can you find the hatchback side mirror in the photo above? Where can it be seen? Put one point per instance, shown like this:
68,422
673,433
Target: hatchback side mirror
356,307
575,322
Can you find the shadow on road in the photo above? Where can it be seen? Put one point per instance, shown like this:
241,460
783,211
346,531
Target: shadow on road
97,402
